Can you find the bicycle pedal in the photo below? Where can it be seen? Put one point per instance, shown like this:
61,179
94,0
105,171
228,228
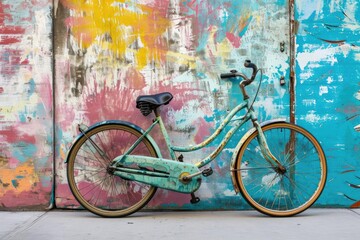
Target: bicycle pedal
207,172
194,199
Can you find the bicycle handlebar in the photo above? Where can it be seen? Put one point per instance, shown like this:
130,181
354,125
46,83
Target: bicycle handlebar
227,75
246,81
234,73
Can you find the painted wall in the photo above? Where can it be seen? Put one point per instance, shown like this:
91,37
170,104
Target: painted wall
26,123
108,52
327,90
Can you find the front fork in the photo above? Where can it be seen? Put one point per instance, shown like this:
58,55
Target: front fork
264,147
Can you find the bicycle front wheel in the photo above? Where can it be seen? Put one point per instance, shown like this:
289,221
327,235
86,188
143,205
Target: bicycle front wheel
290,191
92,182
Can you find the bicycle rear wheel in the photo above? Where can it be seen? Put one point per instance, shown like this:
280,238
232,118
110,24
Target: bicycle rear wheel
282,193
92,182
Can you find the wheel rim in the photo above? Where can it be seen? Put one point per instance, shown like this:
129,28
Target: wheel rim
276,192
93,183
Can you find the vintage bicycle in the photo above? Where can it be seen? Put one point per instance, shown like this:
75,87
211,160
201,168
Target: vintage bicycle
114,167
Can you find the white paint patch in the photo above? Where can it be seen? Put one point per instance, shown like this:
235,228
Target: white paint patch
314,118
357,95
309,102
270,180
271,109
357,56
229,193
307,7
313,58
308,73
323,90
329,80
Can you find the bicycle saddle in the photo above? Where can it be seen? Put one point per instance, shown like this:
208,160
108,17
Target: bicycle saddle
147,103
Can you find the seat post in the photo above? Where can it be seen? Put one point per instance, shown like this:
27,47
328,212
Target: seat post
157,112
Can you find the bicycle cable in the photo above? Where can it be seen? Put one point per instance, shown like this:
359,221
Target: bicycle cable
258,89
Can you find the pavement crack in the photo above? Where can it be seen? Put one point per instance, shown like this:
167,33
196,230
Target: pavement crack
357,213
24,227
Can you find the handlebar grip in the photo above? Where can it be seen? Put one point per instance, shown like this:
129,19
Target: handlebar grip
227,75
249,64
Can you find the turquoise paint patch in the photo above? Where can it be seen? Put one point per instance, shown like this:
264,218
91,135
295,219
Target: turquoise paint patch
222,16
22,151
31,87
15,183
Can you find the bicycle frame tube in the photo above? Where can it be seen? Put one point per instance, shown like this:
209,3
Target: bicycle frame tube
133,146
239,121
229,118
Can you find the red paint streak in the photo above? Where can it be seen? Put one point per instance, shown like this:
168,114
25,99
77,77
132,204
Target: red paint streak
12,135
1,90
234,40
6,40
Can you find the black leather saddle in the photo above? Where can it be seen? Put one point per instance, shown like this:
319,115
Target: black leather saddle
148,103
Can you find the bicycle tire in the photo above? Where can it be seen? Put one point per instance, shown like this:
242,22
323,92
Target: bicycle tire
93,186
276,193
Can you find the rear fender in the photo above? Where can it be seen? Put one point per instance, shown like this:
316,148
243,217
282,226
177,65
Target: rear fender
240,145
119,122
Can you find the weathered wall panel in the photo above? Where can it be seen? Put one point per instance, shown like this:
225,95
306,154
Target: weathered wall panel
327,99
26,139
108,53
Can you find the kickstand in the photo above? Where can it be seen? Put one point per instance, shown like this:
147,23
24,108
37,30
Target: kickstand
194,199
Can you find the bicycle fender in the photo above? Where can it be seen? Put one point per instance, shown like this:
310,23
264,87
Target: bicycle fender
239,146
120,122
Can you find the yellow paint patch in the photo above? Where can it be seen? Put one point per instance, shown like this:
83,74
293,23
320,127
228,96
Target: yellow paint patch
128,30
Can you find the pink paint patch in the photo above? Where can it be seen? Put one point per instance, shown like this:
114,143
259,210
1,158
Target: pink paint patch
1,90
204,129
12,135
234,40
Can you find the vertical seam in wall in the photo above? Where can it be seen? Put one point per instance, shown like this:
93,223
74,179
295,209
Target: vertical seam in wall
53,202
292,60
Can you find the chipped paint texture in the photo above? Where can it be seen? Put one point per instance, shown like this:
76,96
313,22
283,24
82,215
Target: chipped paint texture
108,52
25,104
327,60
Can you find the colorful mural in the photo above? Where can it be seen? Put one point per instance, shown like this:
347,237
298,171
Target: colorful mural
108,53
103,54
26,139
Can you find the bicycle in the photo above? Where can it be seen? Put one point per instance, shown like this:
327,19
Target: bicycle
114,167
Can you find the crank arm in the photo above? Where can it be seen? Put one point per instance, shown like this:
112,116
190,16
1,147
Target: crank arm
206,172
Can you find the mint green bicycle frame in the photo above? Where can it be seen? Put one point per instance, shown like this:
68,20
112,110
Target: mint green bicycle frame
231,117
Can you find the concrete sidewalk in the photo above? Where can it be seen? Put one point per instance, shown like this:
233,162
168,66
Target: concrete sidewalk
329,224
